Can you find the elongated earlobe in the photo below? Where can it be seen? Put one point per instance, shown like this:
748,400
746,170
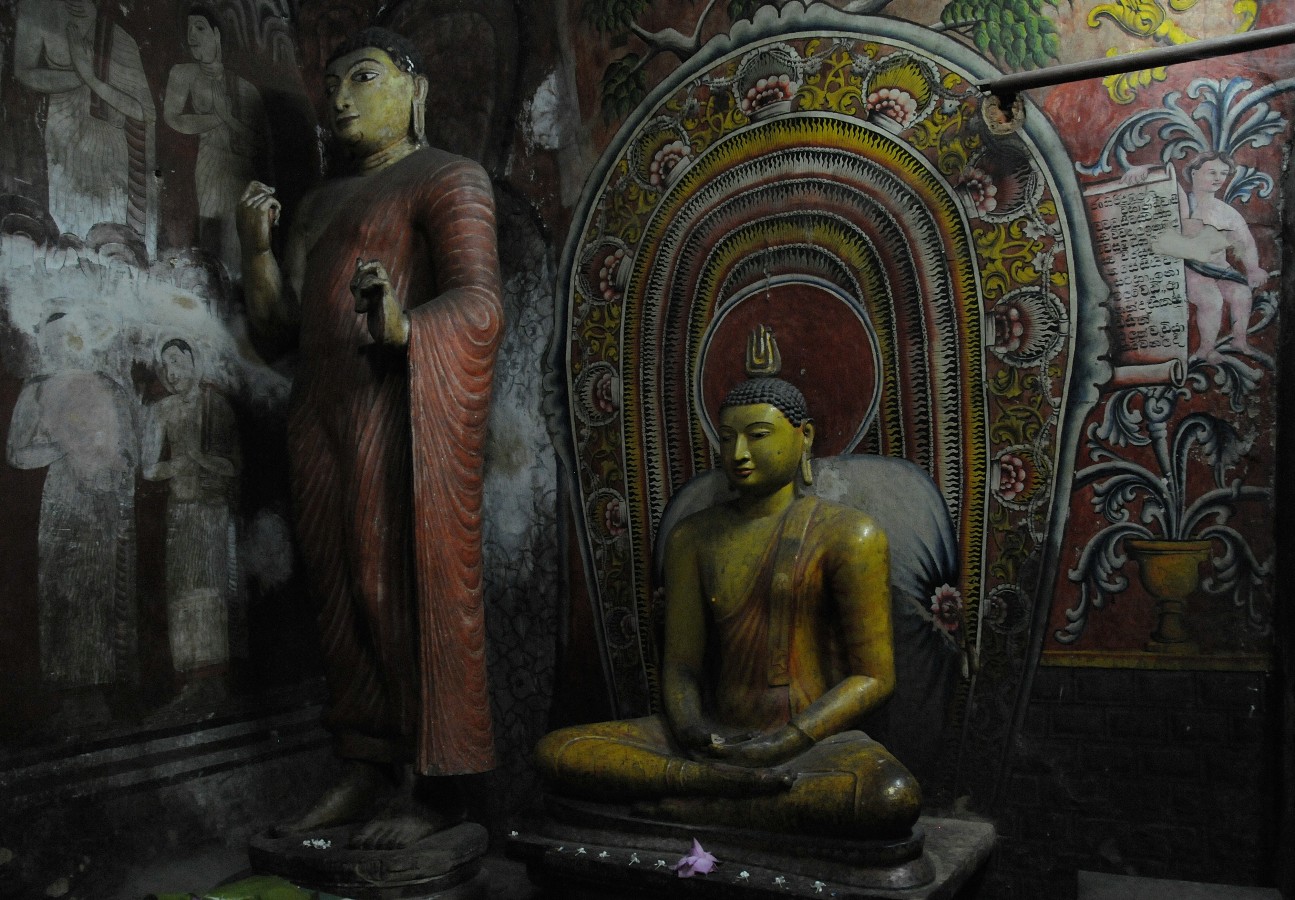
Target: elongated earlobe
418,111
807,470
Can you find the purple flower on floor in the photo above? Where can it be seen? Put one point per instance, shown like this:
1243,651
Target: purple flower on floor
699,861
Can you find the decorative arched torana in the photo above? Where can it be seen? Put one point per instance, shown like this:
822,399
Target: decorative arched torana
831,176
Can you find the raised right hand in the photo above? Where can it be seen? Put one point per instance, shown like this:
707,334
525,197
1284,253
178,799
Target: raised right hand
257,214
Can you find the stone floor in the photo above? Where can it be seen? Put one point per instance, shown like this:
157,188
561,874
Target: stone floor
1100,886
210,867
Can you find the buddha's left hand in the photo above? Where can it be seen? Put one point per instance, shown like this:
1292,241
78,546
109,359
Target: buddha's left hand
764,750
374,298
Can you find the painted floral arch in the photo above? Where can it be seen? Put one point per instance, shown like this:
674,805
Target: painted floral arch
931,286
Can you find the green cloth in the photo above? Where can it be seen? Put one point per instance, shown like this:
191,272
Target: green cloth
259,887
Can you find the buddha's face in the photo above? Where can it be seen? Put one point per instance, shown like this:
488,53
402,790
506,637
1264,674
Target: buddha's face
760,450
370,100
178,370
61,343
203,40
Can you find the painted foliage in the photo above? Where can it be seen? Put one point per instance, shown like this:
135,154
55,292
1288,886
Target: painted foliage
831,176
1176,469
724,171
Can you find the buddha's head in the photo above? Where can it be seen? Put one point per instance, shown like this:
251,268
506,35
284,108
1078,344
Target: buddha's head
765,431
376,92
179,369
202,35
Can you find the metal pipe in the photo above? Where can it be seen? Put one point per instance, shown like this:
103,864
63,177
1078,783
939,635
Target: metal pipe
1009,86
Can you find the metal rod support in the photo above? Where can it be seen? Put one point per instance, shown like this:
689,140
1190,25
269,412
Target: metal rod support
1009,86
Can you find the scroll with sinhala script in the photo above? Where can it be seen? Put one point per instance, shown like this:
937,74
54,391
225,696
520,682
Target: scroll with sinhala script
1148,330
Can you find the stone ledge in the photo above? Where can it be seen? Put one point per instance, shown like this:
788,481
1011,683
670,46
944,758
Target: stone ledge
1101,886
956,850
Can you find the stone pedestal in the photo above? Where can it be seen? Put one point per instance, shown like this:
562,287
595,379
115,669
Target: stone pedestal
1102,886
443,866
589,863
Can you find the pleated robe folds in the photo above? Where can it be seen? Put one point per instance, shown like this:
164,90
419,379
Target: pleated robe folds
386,461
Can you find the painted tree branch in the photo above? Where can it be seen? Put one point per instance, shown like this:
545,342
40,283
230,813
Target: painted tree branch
668,40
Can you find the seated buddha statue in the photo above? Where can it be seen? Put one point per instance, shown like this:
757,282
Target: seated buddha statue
777,642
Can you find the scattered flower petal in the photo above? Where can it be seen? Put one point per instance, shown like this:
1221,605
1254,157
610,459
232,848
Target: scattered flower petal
698,861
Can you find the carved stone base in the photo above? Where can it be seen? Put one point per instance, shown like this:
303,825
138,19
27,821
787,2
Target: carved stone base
444,866
594,860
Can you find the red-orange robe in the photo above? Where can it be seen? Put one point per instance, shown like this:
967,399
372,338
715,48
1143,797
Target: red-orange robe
386,457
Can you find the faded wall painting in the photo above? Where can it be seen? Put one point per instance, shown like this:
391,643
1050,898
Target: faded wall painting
131,378
224,111
79,424
1172,566
100,118
191,443
148,562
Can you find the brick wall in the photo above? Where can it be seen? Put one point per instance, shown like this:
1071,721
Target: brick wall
1161,774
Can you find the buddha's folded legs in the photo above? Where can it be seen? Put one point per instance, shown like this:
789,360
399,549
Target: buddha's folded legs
634,759
847,785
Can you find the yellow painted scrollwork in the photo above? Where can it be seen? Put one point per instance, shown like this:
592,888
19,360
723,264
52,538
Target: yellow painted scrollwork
1149,19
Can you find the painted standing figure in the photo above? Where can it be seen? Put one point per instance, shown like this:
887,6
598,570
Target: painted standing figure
395,276
79,425
99,124
1213,283
206,99
1218,250
191,443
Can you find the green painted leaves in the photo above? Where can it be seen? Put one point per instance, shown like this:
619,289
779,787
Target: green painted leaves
624,85
612,15
1014,32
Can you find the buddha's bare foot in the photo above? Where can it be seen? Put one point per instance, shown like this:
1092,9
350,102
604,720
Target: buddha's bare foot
753,780
403,822
349,800
716,779
760,782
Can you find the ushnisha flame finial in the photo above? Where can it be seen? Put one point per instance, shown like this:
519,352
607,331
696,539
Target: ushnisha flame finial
762,357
